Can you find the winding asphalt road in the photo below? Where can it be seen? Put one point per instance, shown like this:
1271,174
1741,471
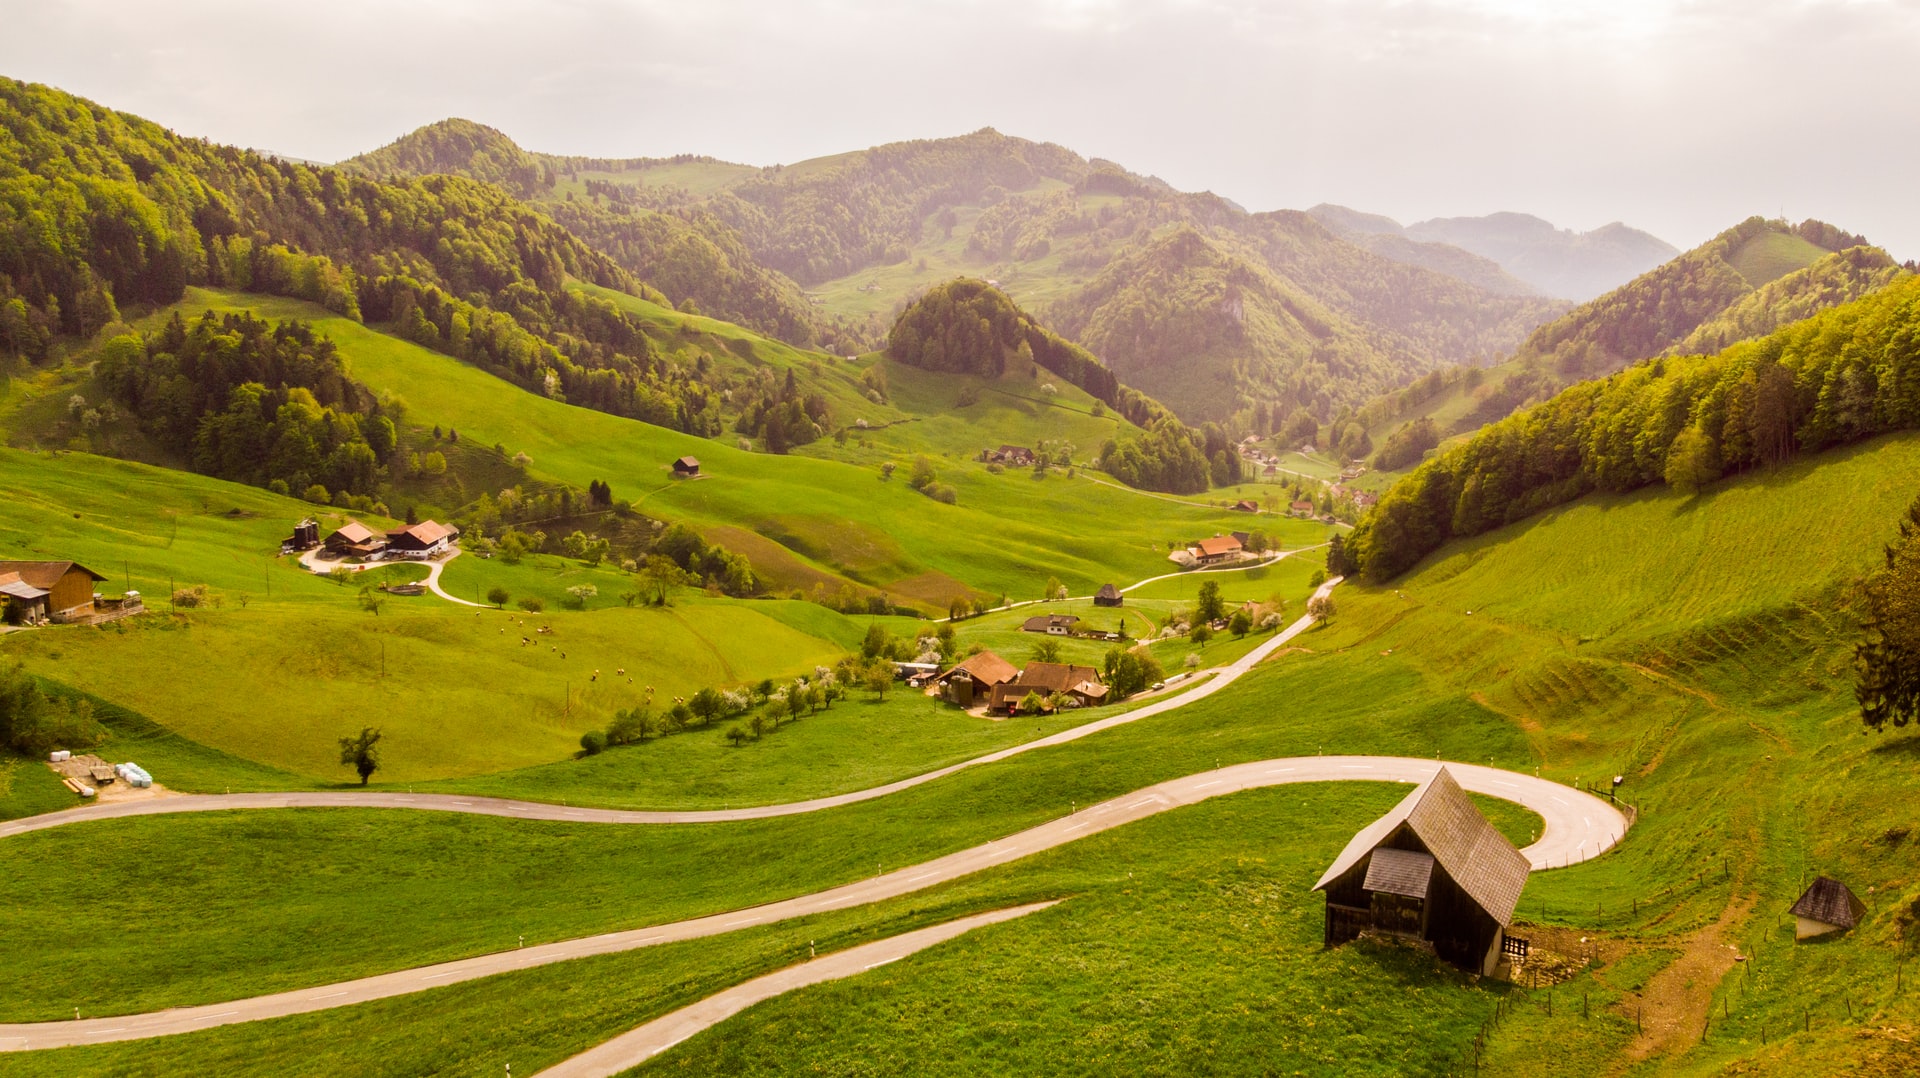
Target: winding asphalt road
1579,827
629,1050
535,810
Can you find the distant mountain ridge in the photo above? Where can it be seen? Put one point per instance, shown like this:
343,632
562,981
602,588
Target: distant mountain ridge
1552,261
867,232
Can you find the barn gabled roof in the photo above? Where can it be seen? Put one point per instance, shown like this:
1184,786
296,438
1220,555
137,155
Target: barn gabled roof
45,574
1107,591
1469,849
1830,902
355,532
987,668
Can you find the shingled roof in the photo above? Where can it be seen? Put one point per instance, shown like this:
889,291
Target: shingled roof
1476,856
986,668
44,574
1831,903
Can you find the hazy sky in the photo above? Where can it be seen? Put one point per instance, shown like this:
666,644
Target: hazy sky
1677,117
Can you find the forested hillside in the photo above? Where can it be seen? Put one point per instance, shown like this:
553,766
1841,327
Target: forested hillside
700,263
1744,283
99,209
1845,374
969,327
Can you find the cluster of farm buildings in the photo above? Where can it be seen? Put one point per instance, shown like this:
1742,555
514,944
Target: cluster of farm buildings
355,540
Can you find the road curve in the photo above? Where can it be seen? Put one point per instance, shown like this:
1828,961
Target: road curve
1579,827
539,810
633,1048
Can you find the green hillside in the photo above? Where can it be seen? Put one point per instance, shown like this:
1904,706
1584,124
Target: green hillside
1842,375
1742,284
1712,674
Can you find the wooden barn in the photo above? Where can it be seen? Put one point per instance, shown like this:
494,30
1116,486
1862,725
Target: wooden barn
1828,906
422,540
975,678
1433,869
32,592
686,466
1108,595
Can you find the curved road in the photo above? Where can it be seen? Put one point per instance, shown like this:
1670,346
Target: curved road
631,1049
537,810
1579,826
310,560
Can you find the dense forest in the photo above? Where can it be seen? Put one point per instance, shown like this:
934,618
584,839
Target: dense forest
99,209
254,402
1845,374
966,326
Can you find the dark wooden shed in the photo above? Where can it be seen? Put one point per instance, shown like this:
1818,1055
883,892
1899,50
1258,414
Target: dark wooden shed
1828,906
686,466
1108,595
1433,869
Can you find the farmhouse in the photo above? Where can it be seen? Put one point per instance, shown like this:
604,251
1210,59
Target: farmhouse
688,466
1080,683
1245,506
1301,508
1215,550
975,678
355,540
1018,456
40,591
1051,624
1432,869
422,540
1108,595
1828,906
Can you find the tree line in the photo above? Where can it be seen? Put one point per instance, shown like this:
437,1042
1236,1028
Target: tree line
1848,373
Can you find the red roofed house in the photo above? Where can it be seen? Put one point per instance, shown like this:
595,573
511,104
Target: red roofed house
37,591
354,539
1301,508
1215,550
422,540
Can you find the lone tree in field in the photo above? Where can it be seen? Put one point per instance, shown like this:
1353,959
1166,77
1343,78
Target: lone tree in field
1321,607
498,596
879,678
1889,658
1241,623
1209,608
1046,651
361,754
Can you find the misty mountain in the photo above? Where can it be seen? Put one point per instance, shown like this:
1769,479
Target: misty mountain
1552,261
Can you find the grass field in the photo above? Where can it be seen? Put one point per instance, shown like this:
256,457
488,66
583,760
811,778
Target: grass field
1007,533
1697,646
1236,866
1772,255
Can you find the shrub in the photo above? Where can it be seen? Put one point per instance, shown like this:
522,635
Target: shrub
531,605
498,596
593,742
189,598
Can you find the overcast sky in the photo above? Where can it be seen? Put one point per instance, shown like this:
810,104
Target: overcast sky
1680,118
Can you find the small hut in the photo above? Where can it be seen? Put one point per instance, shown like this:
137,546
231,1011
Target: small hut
1108,595
1433,869
686,466
1828,906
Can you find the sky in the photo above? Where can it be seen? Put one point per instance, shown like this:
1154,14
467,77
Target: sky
1678,117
